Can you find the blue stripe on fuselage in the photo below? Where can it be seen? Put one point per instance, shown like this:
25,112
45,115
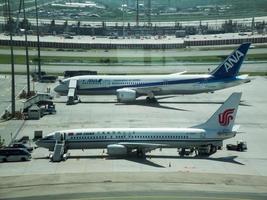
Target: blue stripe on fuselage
164,83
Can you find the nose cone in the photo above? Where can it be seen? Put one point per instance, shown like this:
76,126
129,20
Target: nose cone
61,89
41,143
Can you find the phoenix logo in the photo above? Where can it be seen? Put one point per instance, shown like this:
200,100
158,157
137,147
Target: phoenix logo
226,117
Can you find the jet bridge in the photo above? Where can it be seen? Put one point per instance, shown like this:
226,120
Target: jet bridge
72,92
39,98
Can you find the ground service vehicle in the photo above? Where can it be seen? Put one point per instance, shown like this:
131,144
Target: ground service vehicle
240,146
14,154
21,145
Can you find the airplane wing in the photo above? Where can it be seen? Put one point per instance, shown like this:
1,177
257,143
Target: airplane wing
146,90
179,73
149,89
137,145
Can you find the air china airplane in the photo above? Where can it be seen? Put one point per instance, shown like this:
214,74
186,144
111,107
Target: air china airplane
204,138
129,87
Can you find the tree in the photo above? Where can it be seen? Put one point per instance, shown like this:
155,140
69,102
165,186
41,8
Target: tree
66,23
52,26
78,27
25,24
10,24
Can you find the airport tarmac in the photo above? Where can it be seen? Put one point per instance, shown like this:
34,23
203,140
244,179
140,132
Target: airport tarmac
92,172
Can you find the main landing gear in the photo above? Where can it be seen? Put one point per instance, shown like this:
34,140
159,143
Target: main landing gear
151,98
185,152
140,153
205,150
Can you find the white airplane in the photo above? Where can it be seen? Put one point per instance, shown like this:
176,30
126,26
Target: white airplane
129,87
204,138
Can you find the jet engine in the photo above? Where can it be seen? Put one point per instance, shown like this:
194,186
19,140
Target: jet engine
116,150
126,95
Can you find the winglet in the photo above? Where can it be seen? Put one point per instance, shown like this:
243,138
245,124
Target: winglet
231,65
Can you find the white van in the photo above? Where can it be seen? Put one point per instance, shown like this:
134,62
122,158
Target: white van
14,154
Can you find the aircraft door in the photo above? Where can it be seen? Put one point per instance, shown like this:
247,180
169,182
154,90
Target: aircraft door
203,84
106,83
202,135
165,82
60,136
128,135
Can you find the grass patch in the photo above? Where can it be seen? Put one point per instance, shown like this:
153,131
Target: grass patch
20,59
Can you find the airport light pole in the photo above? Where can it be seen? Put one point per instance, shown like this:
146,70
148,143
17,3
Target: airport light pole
27,51
13,108
137,12
38,40
123,9
149,12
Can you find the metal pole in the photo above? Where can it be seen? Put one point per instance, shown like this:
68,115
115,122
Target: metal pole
27,51
149,12
38,41
137,12
12,62
123,6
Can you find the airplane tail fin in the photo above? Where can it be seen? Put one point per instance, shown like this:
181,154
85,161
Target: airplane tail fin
231,65
223,119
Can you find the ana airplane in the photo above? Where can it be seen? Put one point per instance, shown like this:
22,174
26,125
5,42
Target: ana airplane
204,138
128,88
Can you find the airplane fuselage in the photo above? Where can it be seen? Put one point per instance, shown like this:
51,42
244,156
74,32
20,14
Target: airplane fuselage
159,84
168,137
129,87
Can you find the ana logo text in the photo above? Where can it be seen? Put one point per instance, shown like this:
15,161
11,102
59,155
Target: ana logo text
233,59
226,117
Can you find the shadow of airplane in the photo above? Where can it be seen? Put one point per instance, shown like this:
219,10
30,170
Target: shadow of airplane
131,158
228,159
153,105
147,159
159,104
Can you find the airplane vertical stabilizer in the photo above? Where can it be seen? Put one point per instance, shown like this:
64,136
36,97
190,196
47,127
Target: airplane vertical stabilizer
223,119
231,65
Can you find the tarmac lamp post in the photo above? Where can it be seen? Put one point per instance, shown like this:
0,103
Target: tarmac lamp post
38,40
27,51
137,13
123,10
12,59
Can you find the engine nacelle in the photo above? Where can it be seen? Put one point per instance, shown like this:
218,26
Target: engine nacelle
116,150
126,95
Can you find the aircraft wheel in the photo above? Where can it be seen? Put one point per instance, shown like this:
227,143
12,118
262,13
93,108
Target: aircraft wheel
213,149
182,152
